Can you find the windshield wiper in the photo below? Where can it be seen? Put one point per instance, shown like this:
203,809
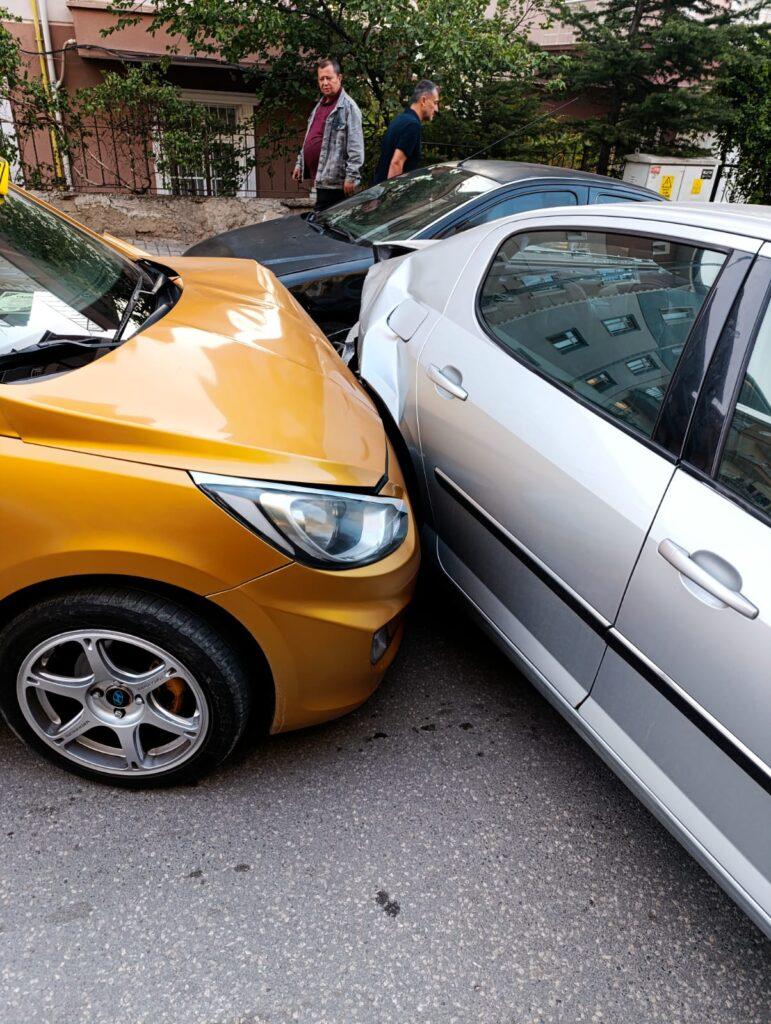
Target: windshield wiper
339,233
51,339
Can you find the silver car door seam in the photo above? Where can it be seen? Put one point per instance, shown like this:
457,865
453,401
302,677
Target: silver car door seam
582,608
631,574
723,738
741,755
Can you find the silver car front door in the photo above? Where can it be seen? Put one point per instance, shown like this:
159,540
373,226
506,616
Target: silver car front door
536,406
683,696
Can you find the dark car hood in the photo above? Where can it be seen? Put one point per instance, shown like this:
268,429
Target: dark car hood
286,245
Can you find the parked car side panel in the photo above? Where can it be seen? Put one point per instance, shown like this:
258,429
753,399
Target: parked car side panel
711,804
560,506
717,655
657,749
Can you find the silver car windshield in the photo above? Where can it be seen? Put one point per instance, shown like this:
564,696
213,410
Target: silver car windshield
401,207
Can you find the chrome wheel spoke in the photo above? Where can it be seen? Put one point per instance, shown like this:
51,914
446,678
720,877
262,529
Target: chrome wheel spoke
101,670
169,722
63,686
141,685
74,728
131,746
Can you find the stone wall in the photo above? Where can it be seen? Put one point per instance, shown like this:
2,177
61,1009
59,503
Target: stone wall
171,218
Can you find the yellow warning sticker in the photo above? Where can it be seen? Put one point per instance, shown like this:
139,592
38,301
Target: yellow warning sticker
696,186
667,186
5,177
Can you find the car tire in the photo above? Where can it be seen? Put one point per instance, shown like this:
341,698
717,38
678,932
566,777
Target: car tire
122,686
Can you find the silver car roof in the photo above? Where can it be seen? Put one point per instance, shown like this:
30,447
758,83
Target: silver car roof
734,218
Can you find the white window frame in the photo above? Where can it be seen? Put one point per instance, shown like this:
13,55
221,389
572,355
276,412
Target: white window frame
244,104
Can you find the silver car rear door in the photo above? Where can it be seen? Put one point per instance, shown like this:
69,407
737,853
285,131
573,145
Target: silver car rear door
683,695
541,493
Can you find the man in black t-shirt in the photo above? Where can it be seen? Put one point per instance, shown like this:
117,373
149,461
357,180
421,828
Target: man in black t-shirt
400,149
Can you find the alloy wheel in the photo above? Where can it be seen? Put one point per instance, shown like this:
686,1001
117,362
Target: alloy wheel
112,702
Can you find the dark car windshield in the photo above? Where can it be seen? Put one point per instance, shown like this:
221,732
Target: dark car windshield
56,280
403,206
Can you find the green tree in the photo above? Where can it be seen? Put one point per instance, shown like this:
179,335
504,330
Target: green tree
34,108
744,89
490,76
651,65
154,127
149,125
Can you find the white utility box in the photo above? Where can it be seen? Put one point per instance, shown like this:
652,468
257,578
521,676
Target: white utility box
681,180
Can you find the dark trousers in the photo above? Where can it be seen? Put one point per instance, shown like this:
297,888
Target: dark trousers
326,197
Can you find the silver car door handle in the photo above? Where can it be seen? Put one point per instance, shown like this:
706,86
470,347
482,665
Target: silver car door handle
682,561
446,383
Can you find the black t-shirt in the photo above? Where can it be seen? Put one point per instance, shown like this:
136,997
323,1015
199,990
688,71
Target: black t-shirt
404,134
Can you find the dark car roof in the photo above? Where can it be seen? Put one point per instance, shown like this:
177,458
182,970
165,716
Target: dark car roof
507,172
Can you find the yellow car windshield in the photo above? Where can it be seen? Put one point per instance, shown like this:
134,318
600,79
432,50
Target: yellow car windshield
56,279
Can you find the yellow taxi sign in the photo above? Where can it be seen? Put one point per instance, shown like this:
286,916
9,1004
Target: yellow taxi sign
5,177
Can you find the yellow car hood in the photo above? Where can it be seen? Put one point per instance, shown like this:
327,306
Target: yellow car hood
235,379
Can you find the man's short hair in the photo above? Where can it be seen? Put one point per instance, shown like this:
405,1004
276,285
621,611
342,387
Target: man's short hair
422,89
329,62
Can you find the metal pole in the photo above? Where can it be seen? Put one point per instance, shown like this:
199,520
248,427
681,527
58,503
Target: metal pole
48,75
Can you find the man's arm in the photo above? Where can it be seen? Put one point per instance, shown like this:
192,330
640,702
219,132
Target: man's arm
355,152
407,142
396,166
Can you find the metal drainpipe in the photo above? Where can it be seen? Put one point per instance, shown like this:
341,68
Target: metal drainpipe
48,74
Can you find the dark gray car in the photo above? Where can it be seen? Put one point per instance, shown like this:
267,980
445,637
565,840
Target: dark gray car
323,258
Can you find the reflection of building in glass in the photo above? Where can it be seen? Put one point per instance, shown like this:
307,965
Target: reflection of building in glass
621,324
746,466
606,316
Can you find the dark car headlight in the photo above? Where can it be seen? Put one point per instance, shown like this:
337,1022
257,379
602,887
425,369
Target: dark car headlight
323,528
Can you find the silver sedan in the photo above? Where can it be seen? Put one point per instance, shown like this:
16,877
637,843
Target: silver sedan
585,395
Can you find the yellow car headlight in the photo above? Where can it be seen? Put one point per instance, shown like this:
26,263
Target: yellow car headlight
323,528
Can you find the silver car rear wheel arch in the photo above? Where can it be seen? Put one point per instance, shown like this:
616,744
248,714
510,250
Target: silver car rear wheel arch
113,683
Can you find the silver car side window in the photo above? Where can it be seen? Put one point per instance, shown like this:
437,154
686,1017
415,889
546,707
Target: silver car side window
745,467
604,314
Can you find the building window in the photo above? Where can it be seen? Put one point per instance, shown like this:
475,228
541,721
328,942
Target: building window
621,324
600,381
676,315
641,364
539,282
223,164
567,341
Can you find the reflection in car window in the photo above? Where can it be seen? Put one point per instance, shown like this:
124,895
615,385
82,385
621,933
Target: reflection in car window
521,204
746,464
606,315
55,277
399,208
617,197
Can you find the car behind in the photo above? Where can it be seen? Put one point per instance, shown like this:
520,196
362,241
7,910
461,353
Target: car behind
322,258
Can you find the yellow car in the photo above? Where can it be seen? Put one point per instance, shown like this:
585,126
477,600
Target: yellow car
205,528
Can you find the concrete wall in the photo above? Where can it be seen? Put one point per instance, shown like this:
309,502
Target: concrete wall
167,217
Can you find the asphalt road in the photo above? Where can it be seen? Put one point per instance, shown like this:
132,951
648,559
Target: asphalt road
450,853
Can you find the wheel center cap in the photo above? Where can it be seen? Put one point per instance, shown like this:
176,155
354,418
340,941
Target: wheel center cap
118,697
